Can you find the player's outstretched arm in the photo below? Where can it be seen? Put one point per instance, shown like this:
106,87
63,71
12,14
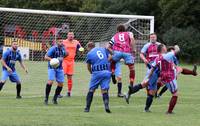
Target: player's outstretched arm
23,66
89,68
5,65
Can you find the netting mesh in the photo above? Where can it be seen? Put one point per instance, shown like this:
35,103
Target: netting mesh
39,31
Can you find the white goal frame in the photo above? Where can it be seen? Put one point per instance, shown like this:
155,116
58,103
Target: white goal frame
151,18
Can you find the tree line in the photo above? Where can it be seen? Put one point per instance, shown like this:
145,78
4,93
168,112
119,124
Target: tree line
176,21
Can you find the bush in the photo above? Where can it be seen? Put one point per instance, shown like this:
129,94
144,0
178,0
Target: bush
189,41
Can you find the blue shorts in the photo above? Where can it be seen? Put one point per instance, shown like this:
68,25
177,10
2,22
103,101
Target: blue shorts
172,86
12,76
57,74
128,58
152,83
118,69
101,78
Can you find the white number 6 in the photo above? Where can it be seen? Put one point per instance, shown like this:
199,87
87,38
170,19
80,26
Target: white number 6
100,54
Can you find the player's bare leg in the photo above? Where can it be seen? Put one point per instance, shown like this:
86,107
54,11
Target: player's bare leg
47,91
186,71
57,92
89,99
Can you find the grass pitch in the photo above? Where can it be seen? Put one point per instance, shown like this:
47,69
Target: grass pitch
30,111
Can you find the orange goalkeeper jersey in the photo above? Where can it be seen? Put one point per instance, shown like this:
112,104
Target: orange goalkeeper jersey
71,47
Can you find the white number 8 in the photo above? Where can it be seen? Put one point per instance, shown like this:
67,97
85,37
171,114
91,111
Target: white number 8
100,54
121,37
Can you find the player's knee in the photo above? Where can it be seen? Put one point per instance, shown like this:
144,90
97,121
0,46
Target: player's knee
152,92
175,93
2,82
50,82
131,67
60,84
144,84
69,77
119,79
92,90
103,91
18,83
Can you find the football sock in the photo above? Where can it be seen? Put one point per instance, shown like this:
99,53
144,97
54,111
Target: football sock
106,100
149,101
57,92
18,88
136,88
119,86
187,72
163,90
1,85
113,63
172,103
69,82
89,99
47,91
131,74
158,87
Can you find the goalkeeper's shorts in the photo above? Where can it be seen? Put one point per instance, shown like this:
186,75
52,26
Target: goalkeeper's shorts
68,67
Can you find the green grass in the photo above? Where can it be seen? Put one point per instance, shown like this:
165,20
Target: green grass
30,110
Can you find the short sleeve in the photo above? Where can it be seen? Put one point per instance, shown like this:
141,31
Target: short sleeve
5,55
64,52
107,52
144,49
20,57
170,56
50,52
88,60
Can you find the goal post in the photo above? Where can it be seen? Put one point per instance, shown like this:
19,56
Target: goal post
39,29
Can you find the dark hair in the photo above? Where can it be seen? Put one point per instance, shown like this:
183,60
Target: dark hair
169,48
153,33
159,48
121,28
90,44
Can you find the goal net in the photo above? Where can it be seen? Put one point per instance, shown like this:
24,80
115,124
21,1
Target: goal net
37,30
